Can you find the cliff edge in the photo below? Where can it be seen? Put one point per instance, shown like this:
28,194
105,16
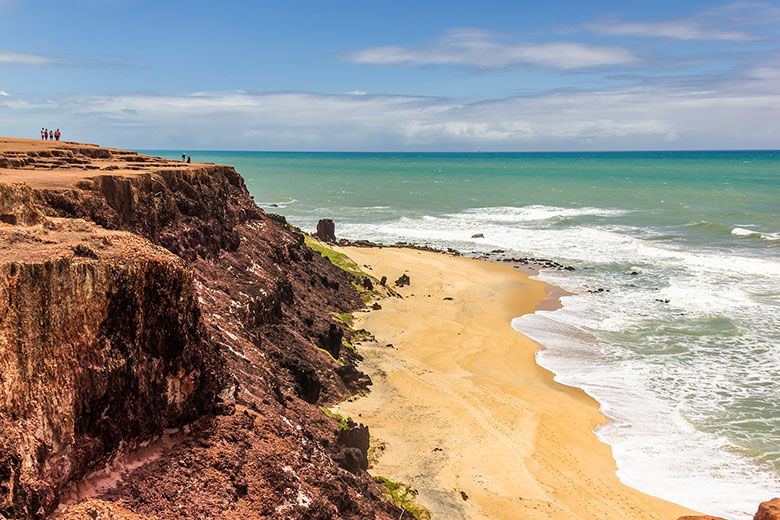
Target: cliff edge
165,345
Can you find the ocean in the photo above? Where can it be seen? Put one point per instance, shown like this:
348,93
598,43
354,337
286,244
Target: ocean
681,348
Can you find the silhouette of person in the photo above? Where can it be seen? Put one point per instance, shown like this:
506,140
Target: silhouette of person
188,159
183,156
51,135
57,134
43,133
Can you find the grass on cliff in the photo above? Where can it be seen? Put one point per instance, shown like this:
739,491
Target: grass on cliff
340,260
343,423
344,318
344,262
405,497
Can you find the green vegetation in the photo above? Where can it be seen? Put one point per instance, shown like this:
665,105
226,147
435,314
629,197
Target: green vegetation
343,423
404,496
338,259
349,345
344,317
331,356
344,262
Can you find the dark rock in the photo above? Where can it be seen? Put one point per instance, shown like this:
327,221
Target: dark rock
383,281
448,298
352,377
343,242
478,235
357,437
364,243
376,307
367,283
351,459
463,495
331,340
402,281
307,382
326,230
85,251
666,300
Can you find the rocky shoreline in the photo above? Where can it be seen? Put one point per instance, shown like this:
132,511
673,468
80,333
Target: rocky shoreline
165,346
169,350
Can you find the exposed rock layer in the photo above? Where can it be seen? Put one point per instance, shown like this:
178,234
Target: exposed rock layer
118,336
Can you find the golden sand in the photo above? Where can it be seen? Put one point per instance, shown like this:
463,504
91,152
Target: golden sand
460,405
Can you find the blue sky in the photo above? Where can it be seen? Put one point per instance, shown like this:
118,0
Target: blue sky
402,75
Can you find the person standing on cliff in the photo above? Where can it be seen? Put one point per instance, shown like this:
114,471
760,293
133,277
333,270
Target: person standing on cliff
57,134
188,159
51,135
183,156
43,133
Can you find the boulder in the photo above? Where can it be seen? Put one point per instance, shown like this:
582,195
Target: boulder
769,510
326,230
478,235
355,436
353,377
351,459
402,280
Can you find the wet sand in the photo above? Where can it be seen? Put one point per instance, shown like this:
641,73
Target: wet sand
460,410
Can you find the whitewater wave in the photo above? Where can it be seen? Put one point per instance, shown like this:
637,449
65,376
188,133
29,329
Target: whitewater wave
510,214
742,232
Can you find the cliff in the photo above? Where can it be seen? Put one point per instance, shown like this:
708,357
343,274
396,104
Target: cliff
164,344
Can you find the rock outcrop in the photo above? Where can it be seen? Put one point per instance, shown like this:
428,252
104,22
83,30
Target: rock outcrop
100,347
326,230
140,296
769,510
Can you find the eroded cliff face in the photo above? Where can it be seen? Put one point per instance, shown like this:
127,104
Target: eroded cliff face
100,348
203,311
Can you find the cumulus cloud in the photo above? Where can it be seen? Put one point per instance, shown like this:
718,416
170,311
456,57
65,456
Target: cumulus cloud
481,49
25,58
3,93
633,118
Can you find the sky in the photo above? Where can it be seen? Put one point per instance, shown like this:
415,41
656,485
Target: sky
404,75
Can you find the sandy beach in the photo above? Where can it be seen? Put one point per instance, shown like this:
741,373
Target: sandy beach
460,410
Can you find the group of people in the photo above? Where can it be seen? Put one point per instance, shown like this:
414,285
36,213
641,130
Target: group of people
50,135
185,157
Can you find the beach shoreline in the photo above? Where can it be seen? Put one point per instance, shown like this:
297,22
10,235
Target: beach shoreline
461,411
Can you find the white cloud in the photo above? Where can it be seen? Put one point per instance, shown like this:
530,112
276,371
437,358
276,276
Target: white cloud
675,29
25,58
3,93
635,118
734,22
481,49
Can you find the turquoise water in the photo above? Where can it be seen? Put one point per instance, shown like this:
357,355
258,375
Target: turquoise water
690,386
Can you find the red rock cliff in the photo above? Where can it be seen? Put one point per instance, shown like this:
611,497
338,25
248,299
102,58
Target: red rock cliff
142,288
